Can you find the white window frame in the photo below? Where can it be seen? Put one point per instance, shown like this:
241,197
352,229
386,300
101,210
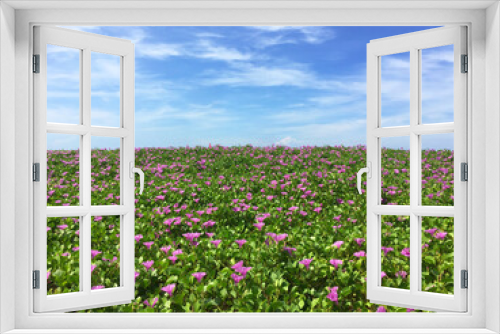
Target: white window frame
484,212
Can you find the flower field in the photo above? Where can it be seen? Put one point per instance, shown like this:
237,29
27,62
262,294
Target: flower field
250,229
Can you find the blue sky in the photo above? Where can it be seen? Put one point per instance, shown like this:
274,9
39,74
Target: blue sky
254,85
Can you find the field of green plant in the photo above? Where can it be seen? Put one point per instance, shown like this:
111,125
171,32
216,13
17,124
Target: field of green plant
250,229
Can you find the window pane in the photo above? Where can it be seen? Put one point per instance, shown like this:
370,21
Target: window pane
395,170
105,252
105,171
105,90
63,84
395,89
437,84
437,169
395,251
63,255
63,170
437,254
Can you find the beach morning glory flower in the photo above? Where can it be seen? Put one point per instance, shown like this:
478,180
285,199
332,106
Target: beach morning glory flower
199,276
387,250
148,264
173,258
289,249
97,287
94,253
306,262
441,235
169,289
381,309
146,302
241,242
216,243
259,225
335,263
238,265
333,295
148,244
360,254
236,278
243,270
406,252
337,244
165,249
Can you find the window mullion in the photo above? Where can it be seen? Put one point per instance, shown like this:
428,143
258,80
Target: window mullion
414,171
85,190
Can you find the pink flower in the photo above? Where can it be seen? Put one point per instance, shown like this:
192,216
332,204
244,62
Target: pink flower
97,218
381,309
94,253
335,263
237,265
92,267
280,237
62,227
169,289
199,276
441,235
243,270
138,237
306,262
360,254
360,241
136,274
406,252
148,264
387,250
177,252
148,244
431,231
383,274
209,234
333,296
241,242
289,249
97,287
146,302
191,236
165,249
236,278
401,274
216,243
259,225
337,244
173,258
48,274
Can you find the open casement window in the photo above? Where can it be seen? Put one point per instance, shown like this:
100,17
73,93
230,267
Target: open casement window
83,132
418,199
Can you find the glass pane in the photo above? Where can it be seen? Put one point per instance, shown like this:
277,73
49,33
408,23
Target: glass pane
63,84
63,169
105,89
105,252
105,171
63,255
437,169
395,251
437,254
395,89
395,170
437,84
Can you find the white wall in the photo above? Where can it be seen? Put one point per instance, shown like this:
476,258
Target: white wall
7,159
492,163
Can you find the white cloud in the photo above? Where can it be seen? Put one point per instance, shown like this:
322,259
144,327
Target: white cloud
309,34
285,141
158,50
206,49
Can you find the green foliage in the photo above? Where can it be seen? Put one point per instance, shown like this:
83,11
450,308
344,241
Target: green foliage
235,185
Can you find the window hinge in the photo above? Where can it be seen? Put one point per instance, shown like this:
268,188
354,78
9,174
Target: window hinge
465,64
464,171
36,172
36,63
36,279
465,279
